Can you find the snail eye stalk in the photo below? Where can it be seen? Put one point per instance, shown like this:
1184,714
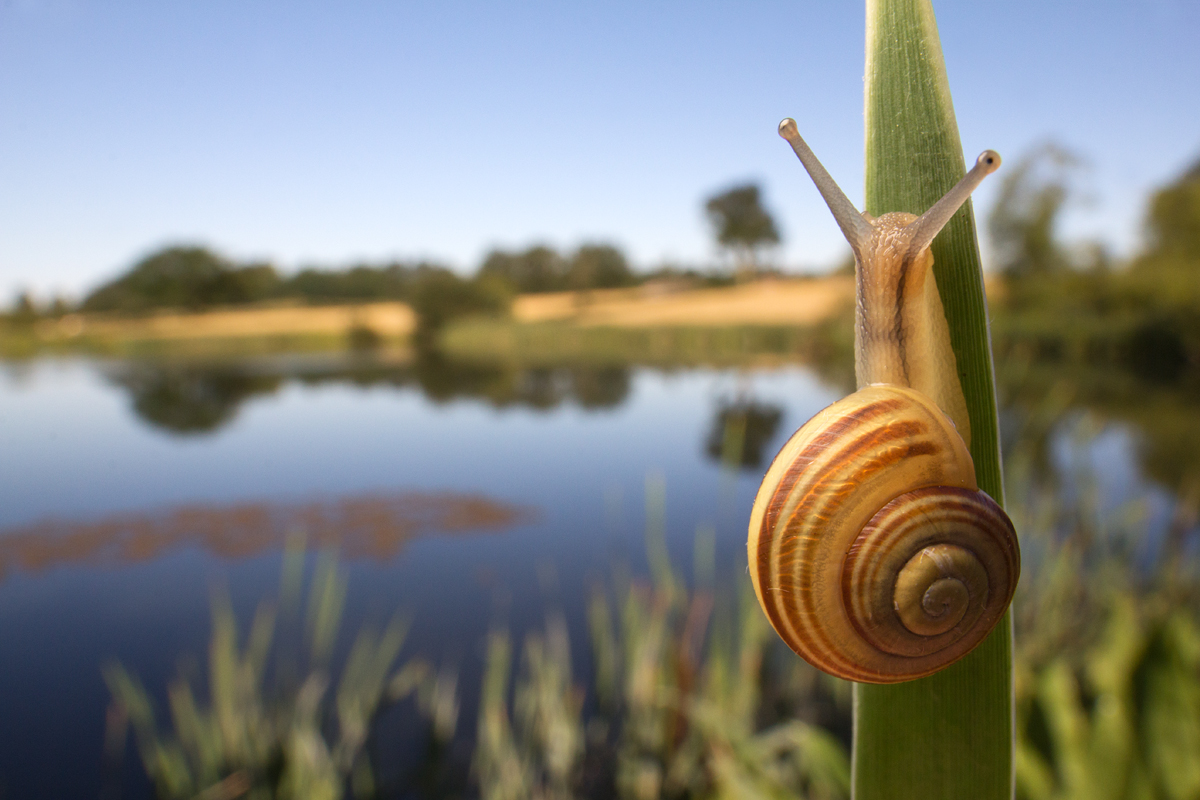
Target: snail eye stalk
854,225
930,224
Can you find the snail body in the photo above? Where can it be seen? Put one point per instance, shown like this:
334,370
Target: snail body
871,548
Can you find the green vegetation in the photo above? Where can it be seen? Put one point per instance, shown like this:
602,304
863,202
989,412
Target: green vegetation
1107,656
299,736
541,269
194,278
358,283
1033,191
184,277
443,296
1142,317
828,346
676,717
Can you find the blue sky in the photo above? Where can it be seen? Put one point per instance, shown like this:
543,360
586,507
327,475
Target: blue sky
321,132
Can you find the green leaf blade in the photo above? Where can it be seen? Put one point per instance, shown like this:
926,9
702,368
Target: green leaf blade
948,735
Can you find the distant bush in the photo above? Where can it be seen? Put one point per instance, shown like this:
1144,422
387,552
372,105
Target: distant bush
195,278
23,311
1142,316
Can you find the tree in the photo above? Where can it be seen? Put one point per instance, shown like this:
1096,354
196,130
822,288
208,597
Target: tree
1173,224
538,269
23,311
1164,283
1022,223
598,266
441,296
393,281
741,224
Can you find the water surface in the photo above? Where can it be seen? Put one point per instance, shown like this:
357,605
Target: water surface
129,491
468,495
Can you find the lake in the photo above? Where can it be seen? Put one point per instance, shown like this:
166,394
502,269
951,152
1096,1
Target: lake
468,496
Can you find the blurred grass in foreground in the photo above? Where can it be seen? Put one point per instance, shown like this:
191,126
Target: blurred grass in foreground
298,736
689,699
675,686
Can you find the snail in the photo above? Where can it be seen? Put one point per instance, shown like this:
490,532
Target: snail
872,550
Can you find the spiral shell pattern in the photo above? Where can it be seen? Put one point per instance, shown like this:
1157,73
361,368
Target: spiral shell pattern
871,549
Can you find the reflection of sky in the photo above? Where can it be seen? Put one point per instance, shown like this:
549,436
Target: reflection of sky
334,131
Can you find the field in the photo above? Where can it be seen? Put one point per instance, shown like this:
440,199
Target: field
766,302
386,319
769,302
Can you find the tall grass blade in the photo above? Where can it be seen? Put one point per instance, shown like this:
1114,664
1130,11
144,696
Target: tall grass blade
949,735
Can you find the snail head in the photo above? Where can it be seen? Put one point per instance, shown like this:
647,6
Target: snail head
897,231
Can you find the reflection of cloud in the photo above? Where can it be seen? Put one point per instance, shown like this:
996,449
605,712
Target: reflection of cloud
364,526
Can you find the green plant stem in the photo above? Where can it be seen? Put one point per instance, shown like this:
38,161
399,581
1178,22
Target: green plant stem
948,735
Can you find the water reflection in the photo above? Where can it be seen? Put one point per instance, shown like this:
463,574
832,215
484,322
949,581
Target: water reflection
1036,399
375,526
741,432
190,400
198,397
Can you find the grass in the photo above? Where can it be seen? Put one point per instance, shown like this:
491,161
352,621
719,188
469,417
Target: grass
687,700
558,342
300,736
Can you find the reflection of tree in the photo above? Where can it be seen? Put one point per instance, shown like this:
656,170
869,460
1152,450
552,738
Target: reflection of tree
367,526
740,432
1170,428
200,398
501,384
600,387
443,379
191,400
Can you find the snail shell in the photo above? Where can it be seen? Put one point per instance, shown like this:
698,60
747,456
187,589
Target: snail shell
871,548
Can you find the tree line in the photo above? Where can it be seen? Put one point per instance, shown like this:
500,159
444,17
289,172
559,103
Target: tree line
1079,303
196,278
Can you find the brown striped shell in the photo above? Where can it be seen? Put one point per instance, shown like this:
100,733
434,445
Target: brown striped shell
872,550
